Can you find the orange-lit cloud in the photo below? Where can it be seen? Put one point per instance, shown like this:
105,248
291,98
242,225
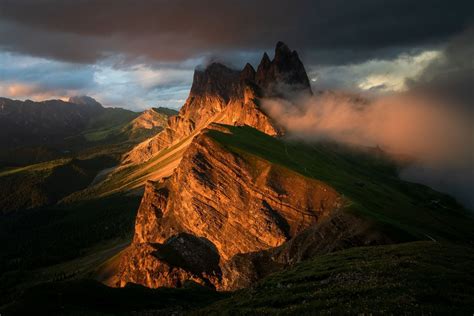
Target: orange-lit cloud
29,91
437,136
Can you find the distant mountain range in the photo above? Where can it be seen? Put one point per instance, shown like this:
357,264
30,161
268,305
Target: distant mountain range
37,131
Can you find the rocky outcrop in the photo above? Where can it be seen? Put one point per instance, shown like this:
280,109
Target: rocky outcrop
215,193
237,204
149,119
223,95
284,76
339,230
149,122
182,258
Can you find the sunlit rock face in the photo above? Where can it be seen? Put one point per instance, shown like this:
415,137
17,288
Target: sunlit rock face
223,95
233,205
149,119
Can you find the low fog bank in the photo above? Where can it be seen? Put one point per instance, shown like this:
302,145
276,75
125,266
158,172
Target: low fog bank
439,137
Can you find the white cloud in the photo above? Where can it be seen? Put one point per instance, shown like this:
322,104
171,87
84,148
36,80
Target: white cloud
111,82
382,75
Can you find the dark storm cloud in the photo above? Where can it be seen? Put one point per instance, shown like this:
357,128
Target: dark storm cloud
44,73
451,75
85,30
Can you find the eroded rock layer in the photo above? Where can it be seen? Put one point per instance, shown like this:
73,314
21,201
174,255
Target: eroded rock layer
236,203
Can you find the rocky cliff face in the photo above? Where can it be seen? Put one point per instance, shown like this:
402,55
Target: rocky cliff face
149,119
284,76
226,219
229,204
220,94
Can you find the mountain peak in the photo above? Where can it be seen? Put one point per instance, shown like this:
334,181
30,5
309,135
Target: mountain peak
283,75
282,51
84,100
216,79
265,60
248,73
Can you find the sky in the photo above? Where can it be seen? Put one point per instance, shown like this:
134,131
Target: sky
137,54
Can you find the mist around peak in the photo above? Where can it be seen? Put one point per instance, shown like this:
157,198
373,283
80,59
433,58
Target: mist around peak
437,137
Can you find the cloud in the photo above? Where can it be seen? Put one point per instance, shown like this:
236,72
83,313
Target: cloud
45,73
140,86
437,136
137,86
87,31
451,74
381,75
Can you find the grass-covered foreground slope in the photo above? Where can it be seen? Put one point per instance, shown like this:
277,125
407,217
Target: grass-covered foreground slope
413,278
132,177
368,179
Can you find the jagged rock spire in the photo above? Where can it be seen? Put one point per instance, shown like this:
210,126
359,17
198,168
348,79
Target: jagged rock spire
248,73
282,74
282,52
215,79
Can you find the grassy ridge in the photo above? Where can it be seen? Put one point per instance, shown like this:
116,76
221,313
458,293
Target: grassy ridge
368,179
46,183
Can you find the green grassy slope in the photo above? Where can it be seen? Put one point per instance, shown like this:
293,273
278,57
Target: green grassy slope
368,179
414,278
114,125
46,183
134,176
112,117
108,126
